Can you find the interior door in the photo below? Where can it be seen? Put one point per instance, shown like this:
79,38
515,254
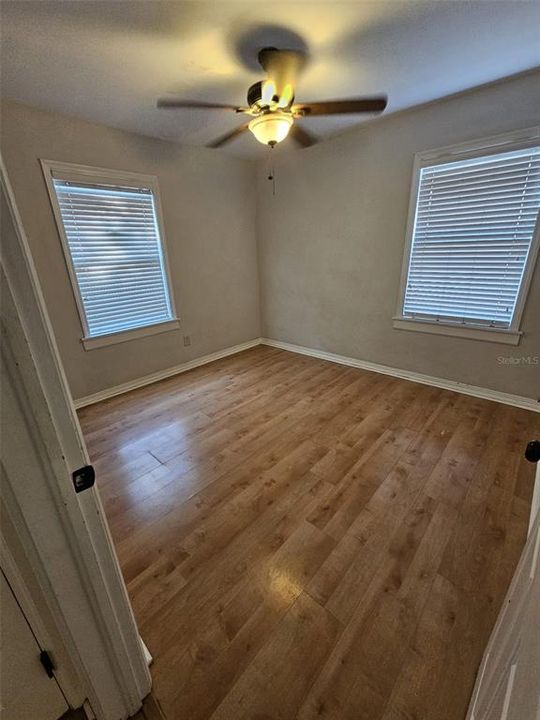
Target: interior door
26,691
508,685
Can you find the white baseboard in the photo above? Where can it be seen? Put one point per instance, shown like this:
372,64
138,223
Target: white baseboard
162,374
484,393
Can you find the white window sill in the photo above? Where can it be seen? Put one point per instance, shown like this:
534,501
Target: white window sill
488,334
92,343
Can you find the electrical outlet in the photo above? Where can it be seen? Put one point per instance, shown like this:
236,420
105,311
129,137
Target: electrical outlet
187,341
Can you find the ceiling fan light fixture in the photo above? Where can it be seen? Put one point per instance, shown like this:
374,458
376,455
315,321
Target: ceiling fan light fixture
271,128
271,103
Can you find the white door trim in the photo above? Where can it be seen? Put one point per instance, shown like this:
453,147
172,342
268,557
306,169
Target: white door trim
103,642
506,640
535,503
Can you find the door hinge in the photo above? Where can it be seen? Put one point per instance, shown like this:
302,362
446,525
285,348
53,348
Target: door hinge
48,665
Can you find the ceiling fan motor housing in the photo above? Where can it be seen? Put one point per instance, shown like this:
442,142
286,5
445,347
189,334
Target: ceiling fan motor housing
254,94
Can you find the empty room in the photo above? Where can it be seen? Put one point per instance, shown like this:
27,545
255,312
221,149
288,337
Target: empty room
270,360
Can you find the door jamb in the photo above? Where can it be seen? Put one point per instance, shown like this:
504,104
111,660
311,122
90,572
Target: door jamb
81,516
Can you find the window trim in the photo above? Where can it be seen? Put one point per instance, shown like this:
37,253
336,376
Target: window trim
90,174
516,140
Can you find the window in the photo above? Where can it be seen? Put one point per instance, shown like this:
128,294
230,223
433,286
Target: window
110,229
473,240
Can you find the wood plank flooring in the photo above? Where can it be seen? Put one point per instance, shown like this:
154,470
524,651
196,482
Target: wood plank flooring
306,540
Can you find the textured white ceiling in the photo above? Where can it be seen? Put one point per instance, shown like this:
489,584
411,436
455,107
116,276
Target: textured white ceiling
108,61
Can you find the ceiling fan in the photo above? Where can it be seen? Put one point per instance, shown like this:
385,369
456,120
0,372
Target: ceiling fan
271,103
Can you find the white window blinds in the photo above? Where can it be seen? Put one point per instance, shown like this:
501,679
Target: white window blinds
474,226
115,249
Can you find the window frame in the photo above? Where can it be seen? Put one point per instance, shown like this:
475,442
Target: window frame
73,172
516,140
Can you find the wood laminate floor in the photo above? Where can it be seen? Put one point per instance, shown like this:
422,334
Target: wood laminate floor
306,540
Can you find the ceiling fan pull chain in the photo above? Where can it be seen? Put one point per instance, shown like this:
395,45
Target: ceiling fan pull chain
271,170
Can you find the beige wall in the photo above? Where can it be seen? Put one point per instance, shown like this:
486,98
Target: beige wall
209,215
331,241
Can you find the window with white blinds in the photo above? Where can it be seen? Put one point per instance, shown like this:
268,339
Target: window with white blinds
474,227
115,250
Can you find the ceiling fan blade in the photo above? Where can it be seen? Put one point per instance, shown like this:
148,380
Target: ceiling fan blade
172,102
302,137
341,107
228,136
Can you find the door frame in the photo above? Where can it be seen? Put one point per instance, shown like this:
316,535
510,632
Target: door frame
510,617
83,588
